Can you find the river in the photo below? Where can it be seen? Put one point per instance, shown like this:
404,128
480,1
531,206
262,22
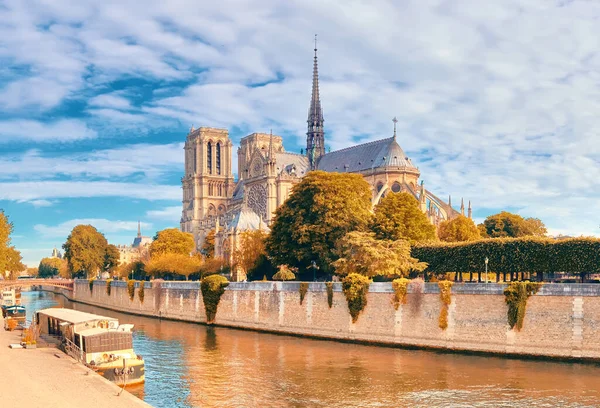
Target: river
191,365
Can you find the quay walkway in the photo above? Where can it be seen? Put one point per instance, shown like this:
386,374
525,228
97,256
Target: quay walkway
46,377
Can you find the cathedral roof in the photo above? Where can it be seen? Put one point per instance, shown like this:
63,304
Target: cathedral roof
246,219
378,154
285,161
238,192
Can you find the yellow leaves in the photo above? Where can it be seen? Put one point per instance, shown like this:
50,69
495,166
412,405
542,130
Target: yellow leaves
250,247
174,263
53,266
458,229
284,274
172,240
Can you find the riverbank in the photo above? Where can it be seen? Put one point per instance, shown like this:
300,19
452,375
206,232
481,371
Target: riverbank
46,377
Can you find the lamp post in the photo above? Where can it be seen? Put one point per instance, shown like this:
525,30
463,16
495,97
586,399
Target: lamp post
314,266
486,263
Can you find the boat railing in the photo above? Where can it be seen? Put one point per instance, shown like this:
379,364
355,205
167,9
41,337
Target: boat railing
74,350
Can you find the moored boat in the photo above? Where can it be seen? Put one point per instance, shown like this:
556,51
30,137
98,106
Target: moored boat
99,342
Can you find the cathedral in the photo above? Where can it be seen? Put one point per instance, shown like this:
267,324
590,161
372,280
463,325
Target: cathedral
214,200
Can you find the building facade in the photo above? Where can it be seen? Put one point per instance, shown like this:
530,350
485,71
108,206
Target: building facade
137,251
212,200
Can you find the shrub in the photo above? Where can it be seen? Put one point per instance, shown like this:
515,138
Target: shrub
91,282
284,274
446,298
212,288
141,292
355,288
400,287
516,295
108,286
329,286
131,289
303,290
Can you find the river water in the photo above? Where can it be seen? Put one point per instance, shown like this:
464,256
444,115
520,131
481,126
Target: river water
191,365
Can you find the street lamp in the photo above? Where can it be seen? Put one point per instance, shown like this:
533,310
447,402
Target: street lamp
314,266
486,263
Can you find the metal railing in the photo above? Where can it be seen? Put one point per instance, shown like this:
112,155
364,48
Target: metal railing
74,351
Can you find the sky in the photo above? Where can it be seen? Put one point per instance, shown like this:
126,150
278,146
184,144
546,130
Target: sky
497,101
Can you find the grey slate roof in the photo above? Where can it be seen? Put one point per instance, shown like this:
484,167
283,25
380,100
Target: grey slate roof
238,192
285,161
378,154
246,219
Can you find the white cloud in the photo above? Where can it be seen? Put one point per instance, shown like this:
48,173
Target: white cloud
111,100
101,224
32,190
40,203
64,130
167,214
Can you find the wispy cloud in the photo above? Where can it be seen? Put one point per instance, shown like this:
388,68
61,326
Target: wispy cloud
64,130
101,224
172,214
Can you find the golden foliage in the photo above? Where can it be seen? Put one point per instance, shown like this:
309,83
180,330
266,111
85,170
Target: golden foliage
361,252
446,298
141,292
458,229
251,246
505,224
284,274
516,295
303,290
49,267
398,216
85,250
400,287
212,288
173,263
172,241
131,289
208,247
356,286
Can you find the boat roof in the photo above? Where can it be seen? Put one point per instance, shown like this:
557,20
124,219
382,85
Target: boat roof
73,316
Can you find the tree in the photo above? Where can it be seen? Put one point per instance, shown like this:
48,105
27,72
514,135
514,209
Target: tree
13,262
208,248
458,229
284,274
251,246
134,270
321,209
52,267
33,271
172,240
361,252
111,258
6,229
171,263
85,250
505,224
398,216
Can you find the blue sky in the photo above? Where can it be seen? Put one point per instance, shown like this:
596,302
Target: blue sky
497,102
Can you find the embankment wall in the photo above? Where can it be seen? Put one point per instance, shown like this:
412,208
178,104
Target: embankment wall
562,320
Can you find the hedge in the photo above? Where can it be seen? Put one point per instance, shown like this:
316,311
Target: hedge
577,255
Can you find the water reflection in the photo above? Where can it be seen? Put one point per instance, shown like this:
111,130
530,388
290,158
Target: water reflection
190,365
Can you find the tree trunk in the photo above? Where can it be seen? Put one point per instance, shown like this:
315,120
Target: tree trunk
471,276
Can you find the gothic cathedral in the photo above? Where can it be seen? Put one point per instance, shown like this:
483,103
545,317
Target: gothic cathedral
213,200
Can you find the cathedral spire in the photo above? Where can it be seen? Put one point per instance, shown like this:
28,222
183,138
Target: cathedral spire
395,121
139,229
271,156
470,210
449,201
462,206
315,137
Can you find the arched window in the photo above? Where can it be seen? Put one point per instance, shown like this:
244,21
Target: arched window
209,157
195,163
379,186
219,158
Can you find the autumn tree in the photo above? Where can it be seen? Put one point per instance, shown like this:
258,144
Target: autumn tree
321,209
362,253
111,258
250,247
10,258
171,263
458,229
13,265
172,240
208,247
398,216
506,224
85,250
53,267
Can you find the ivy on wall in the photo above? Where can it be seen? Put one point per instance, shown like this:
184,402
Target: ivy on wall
131,289
108,286
141,292
516,295
212,288
303,290
329,286
356,287
400,287
446,298
91,283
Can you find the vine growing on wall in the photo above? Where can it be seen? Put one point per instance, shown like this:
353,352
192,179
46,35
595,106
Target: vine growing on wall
446,298
212,288
131,289
108,286
516,295
91,283
329,286
356,287
400,287
141,292
303,290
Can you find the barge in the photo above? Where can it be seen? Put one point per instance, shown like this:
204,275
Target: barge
12,310
99,342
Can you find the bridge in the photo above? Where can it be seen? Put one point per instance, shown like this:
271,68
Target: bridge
58,283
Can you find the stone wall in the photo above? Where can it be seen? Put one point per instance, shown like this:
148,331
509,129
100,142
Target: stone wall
562,320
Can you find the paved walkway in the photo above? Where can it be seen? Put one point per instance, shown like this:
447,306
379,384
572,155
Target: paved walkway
46,377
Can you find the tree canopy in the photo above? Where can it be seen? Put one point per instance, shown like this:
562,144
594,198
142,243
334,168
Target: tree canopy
85,250
458,229
208,247
398,216
361,252
321,209
53,267
250,248
509,225
171,263
10,258
172,240
111,258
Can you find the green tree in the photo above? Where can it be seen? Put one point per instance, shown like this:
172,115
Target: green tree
398,216
111,258
208,247
284,274
170,263
321,209
132,270
458,229
85,250
509,225
52,267
361,252
172,240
